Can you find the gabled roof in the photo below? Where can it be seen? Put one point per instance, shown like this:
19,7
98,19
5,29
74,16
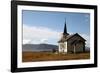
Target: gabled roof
69,37
65,39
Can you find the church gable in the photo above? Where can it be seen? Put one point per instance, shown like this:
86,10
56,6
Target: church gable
76,43
75,37
66,38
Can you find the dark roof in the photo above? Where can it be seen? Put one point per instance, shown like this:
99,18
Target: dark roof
65,39
68,37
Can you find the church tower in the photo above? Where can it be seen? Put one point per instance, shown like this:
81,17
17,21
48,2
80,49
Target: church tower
62,42
65,34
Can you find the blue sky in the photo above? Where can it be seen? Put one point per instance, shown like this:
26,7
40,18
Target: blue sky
54,21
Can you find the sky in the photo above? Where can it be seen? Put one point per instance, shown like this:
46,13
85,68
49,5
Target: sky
47,27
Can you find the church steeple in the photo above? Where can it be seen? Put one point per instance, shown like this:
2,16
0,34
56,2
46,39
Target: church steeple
65,29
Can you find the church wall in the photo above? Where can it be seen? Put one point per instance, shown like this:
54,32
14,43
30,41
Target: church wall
69,48
79,46
65,50
62,47
59,47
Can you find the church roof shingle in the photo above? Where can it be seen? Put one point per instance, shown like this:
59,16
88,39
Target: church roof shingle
68,37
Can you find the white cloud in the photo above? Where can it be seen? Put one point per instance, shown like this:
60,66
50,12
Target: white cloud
38,34
25,41
87,38
43,40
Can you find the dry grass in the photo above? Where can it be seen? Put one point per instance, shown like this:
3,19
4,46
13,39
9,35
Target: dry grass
49,56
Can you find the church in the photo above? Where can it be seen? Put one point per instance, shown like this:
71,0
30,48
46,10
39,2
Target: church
71,43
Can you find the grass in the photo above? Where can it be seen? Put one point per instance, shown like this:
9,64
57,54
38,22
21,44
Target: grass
49,56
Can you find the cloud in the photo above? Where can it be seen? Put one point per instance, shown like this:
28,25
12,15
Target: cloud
37,35
87,37
34,34
43,40
25,41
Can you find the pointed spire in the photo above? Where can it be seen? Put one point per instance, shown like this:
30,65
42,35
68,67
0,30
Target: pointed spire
65,29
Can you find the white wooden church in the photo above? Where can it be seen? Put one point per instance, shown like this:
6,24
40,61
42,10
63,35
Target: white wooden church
73,43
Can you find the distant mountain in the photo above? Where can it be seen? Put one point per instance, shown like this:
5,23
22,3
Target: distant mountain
42,47
39,47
